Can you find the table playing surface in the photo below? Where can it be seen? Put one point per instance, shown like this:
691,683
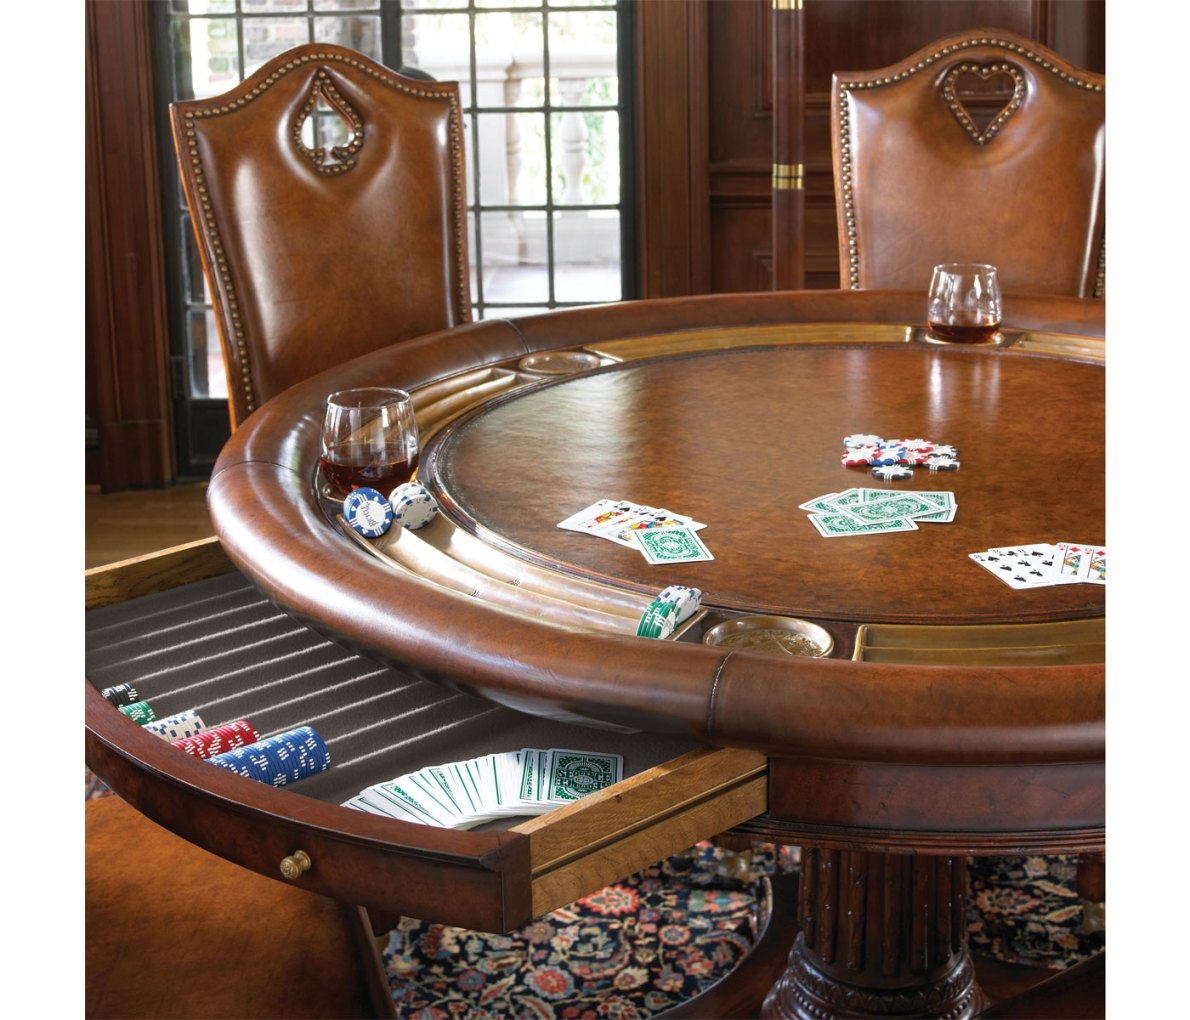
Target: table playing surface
740,439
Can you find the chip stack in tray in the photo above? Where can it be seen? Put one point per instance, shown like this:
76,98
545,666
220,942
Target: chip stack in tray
668,611
280,759
277,760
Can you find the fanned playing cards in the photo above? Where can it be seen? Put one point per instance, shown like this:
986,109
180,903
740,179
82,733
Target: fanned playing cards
661,536
1045,563
464,794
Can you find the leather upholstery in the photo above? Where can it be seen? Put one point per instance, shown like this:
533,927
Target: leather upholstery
929,168
314,256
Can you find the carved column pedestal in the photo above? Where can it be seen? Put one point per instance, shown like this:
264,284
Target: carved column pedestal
881,935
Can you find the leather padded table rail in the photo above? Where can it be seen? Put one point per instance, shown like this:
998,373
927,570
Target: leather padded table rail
955,715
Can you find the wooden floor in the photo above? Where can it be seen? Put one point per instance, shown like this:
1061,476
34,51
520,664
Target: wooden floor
121,525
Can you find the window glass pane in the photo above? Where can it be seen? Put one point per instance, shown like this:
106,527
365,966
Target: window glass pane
587,256
440,45
346,5
207,377
207,57
266,37
586,163
196,281
516,258
203,6
275,6
357,33
512,167
509,58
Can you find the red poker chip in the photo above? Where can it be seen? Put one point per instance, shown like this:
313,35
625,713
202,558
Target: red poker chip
860,456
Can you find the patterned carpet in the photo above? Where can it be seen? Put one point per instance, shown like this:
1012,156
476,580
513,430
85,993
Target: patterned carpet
659,937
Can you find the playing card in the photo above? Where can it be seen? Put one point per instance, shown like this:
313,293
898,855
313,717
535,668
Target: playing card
573,774
901,505
599,515
678,544
840,524
1013,571
1073,561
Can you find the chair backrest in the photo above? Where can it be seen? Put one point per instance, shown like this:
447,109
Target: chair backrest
315,253
982,147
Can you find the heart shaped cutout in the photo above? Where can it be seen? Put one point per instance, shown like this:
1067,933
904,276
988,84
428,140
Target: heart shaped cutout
983,96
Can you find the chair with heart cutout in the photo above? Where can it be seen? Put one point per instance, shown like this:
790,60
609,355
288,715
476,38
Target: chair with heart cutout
981,147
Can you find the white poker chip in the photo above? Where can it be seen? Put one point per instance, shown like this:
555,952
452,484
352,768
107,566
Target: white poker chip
412,505
862,440
892,472
686,599
919,445
367,512
945,450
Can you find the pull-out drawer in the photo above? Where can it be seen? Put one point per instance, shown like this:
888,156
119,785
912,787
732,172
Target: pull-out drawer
187,631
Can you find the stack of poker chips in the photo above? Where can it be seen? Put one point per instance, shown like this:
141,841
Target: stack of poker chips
277,760
894,459
280,759
218,739
668,611
410,505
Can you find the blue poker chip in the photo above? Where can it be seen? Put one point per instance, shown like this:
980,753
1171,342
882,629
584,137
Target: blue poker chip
413,506
886,455
892,472
367,512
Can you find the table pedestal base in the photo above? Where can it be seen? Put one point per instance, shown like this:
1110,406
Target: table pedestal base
882,935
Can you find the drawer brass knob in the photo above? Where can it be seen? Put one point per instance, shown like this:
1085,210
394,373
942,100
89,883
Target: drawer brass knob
293,865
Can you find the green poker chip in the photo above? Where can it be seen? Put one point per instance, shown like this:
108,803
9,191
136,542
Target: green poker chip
658,620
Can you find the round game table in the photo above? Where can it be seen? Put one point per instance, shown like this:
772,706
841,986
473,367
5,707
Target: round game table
956,714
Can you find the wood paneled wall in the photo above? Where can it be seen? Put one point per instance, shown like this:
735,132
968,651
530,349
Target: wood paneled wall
720,171
707,110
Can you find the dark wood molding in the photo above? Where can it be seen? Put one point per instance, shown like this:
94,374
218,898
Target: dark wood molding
128,405
672,148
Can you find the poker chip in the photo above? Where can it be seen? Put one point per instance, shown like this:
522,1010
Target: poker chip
140,713
177,727
851,442
280,759
942,464
892,472
121,694
915,456
945,450
918,445
218,739
367,512
658,620
412,505
687,600
886,455
859,456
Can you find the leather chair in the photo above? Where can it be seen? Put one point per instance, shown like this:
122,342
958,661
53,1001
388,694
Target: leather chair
982,147
313,252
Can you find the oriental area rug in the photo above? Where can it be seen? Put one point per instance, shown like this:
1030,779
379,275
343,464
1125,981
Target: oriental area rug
656,939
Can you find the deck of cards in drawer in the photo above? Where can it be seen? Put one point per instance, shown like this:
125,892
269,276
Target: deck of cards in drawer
464,794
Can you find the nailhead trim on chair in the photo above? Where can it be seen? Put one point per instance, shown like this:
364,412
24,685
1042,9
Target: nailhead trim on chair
462,272
845,132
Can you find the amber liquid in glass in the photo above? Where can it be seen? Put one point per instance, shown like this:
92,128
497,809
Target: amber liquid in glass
970,328
383,477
